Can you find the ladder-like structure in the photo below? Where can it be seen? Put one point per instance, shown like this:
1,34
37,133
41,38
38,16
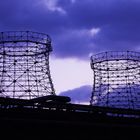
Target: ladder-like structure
116,79
24,65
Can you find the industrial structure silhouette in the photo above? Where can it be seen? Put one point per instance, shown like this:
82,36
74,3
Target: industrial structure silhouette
28,99
24,65
116,80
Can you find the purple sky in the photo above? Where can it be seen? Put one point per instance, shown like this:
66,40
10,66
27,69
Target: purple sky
78,28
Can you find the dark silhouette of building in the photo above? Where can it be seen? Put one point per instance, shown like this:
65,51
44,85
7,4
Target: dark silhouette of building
54,117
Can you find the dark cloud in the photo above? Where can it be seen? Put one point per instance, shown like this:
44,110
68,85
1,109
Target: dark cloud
79,95
28,14
69,24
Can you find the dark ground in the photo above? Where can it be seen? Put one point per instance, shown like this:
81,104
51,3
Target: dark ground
27,123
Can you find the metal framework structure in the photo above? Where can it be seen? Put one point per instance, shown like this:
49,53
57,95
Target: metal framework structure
24,65
116,79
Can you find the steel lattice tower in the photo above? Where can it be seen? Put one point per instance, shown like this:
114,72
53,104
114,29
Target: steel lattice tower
24,65
116,79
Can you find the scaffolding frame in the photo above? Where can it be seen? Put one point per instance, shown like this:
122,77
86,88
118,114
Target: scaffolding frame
24,65
116,79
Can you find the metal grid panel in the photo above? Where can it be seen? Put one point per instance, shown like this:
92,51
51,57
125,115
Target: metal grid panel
116,79
24,65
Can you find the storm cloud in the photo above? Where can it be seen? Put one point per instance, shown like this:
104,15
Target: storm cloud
78,28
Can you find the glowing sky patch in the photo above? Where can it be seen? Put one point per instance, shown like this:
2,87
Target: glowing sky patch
94,31
52,6
73,1
70,73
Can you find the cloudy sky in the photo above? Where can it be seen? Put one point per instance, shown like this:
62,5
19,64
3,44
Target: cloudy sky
78,28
